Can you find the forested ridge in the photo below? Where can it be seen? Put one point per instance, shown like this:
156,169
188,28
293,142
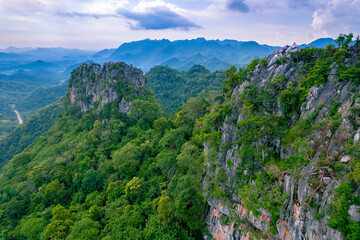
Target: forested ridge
114,166
172,88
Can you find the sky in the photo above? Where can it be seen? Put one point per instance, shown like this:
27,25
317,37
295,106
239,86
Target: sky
99,24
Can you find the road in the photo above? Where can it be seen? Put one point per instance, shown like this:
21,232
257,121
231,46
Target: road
19,117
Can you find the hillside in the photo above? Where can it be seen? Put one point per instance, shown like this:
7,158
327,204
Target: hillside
274,156
172,88
281,148
28,133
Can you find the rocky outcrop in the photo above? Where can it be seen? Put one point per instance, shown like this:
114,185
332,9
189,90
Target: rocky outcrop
93,85
228,217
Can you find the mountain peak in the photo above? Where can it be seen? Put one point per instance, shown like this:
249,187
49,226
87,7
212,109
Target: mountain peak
93,86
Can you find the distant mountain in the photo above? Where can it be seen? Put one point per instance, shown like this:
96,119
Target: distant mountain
39,64
186,63
12,49
104,54
319,43
182,54
44,54
53,54
13,57
147,53
322,42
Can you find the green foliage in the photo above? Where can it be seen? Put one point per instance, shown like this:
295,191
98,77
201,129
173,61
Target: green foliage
60,224
281,60
264,62
343,40
291,100
31,227
28,132
27,92
350,73
334,107
173,88
251,66
109,175
85,229
318,74
339,216
55,192
265,193
92,181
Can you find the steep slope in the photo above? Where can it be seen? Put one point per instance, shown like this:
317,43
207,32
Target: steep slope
282,148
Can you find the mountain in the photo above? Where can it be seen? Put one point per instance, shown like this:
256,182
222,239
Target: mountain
103,54
39,64
320,43
275,155
281,148
213,54
13,57
56,54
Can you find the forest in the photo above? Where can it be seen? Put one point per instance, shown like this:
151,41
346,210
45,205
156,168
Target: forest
150,172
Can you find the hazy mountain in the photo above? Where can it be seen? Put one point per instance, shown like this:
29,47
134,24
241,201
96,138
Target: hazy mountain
323,42
182,54
39,64
147,53
319,43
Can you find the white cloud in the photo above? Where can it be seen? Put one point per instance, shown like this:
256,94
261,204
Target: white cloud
338,16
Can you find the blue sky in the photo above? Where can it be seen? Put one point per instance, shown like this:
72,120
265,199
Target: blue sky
98,24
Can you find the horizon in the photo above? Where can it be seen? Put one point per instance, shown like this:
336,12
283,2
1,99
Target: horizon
104,24
101,49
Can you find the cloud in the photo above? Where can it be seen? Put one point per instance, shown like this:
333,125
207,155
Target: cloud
157,18
338,16
79,14
238,5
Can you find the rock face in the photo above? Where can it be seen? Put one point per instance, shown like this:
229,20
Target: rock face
112,82
297,220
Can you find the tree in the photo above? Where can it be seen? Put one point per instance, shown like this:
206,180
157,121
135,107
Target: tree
133,189
92,181
85,229
31,227
54,192
60,225
343,40
144,112
233,77
163,209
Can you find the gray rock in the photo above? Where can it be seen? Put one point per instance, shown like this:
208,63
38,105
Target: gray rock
354,213
357,137
102,85
345,159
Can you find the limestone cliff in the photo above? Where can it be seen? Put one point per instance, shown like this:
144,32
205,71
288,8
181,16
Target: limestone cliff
302,144
93,85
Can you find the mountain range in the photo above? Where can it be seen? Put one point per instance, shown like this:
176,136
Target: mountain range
24,71
145,54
